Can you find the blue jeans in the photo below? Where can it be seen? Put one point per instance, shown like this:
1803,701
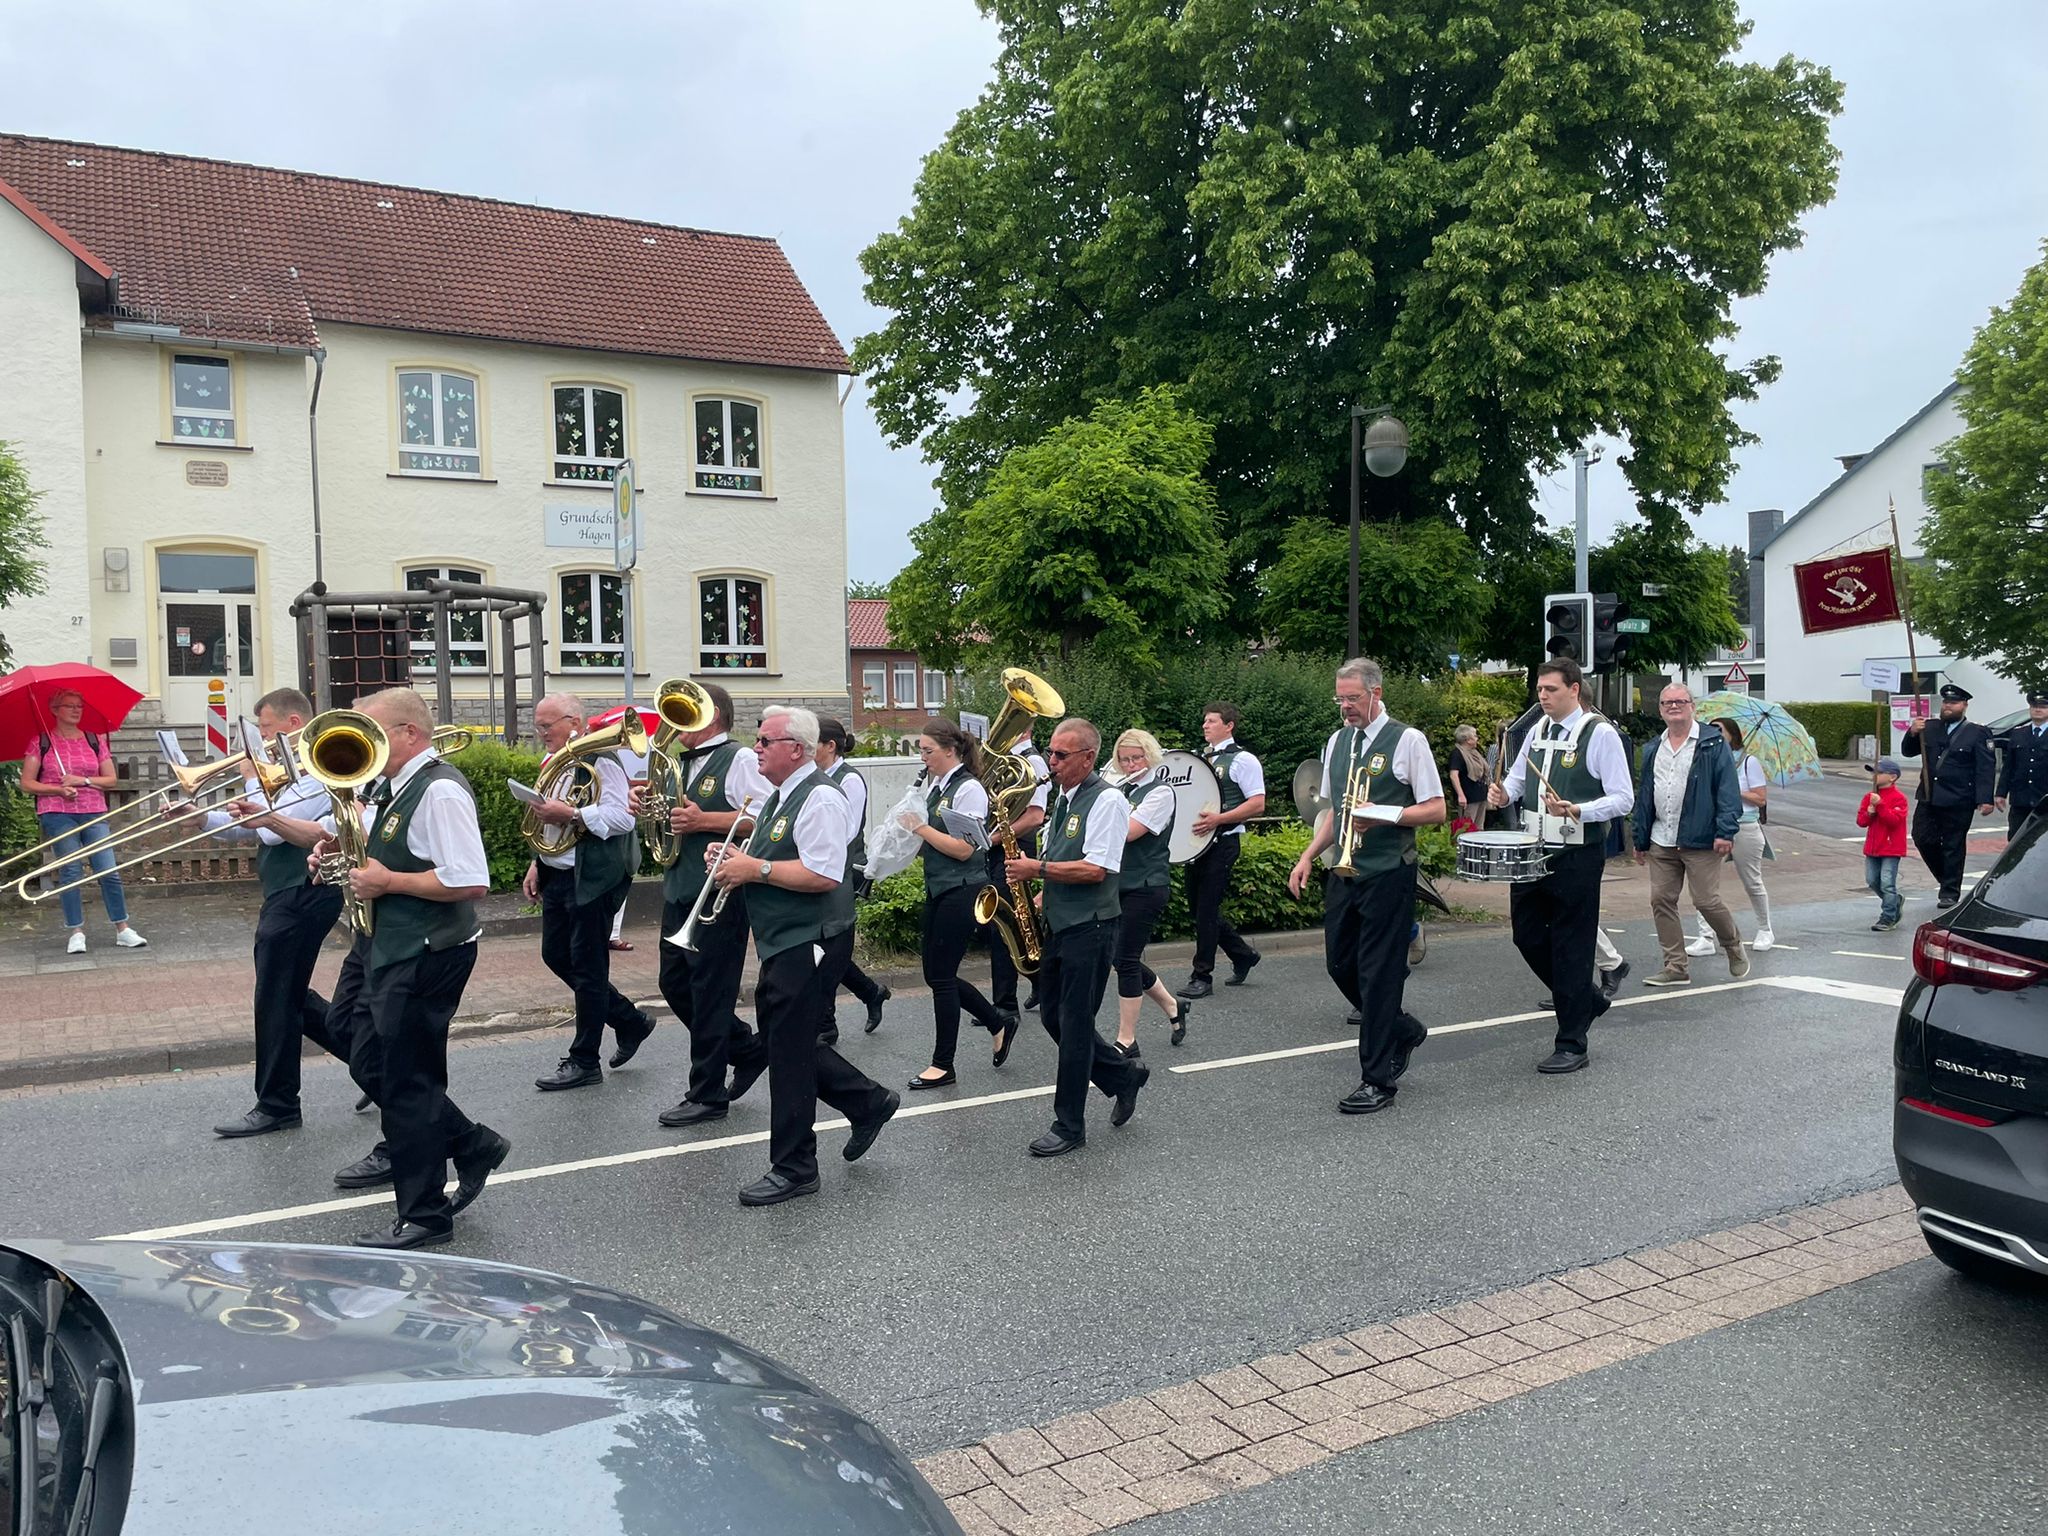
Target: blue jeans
102,860
1882,876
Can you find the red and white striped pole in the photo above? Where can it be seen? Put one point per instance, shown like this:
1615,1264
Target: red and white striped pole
217,718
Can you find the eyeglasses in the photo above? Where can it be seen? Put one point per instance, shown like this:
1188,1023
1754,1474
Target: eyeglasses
1054,755
1673,703
68,704
769,741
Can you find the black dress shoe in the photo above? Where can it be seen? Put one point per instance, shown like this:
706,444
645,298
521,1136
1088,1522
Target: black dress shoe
1197,988
1004,1038
745,1077
1031,1001
366,1172
1562,1061
365,1104
1355,1019
1366,1099
1944,901
404,1234
875,1011
1127,1101
1547,1003
1053,1144
570,1074
919,1084
1410,1043
1610,981
630,1038
258,1122
690,1112
829,1036
1180,1023
865,1133
1239,972
773,1189
1126,1049
470,1175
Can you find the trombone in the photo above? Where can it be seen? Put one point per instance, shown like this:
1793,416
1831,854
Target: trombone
191,780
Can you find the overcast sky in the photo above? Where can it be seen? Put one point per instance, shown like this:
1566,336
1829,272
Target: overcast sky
806,120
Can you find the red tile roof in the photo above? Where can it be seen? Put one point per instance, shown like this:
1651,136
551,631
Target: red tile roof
867,624
248,253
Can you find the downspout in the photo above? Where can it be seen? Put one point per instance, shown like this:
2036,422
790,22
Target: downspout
313,442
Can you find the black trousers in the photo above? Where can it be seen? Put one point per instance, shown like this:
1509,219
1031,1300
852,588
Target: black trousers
2017,812
800,1070
1556,921
1141,910
948,930
575,943
1002,970
1071,981
345,1032
703,990
834,962
289,932
1366,923
411,1003
866,990
1942,834
1208,884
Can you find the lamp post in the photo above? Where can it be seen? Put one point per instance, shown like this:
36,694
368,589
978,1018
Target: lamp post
1385,448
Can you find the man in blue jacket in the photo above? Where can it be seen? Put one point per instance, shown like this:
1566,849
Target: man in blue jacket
1687,809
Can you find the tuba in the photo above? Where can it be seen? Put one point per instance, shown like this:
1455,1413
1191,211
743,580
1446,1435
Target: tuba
684,708
560,780
344,750
1011,784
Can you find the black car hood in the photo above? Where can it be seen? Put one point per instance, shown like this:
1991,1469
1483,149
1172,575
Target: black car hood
332,1390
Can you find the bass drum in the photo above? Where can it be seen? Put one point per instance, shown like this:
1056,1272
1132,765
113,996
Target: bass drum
1195,790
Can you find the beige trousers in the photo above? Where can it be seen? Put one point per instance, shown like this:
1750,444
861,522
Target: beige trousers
1672,869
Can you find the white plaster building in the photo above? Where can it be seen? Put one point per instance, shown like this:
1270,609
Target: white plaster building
173,331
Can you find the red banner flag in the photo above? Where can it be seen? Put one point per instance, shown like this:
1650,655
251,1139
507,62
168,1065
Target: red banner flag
1845,591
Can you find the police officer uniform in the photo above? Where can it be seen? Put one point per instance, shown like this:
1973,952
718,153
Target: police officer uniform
2023,767
1959,774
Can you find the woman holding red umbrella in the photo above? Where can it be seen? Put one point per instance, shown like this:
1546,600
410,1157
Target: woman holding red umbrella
69,770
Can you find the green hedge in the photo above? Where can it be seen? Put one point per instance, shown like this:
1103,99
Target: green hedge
18,826
487,765
1833,724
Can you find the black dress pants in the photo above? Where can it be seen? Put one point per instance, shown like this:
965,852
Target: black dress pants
1141,912
1942,834
2017,812
1366,923
866,990
346,1033
1071,981
948,930
1208,884
289,932
575,943
800,1070
834,962
703,989
1556,924
411,1003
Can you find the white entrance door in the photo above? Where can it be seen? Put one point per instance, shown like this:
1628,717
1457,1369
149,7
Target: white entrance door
208,633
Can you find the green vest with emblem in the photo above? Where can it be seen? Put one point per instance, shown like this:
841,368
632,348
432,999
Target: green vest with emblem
1148,861
705,789
1570,773
602,862
783,919
840,899
1382,848
281,867
1220,760
942,874
1066,833
407,926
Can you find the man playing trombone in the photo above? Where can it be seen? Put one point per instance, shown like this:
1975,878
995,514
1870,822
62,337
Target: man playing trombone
1381,783
579,888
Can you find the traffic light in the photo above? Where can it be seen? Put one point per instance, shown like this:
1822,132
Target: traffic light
1608,646
1568,626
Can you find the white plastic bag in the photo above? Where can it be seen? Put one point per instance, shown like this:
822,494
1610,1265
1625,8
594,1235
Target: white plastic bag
894,847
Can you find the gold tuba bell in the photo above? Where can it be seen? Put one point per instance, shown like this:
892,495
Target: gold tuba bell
1011,783
560,780
684,708
344,749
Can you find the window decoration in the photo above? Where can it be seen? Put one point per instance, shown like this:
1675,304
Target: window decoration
467,650
590,432
202,399
593,620
438,427
728,436
733,623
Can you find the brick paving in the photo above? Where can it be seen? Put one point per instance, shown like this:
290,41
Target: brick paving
1248,1423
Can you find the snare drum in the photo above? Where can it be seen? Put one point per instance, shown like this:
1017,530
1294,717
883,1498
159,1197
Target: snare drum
1513,858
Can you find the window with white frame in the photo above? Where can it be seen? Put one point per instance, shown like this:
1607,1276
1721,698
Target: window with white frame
934,689
590,431
728,434
874,685
593,620
439,426
467,650
732,623
202,399
906,685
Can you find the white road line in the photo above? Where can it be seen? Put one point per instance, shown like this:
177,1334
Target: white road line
1848,991
1866,954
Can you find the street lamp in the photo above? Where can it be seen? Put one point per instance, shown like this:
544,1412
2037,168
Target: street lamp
1385,446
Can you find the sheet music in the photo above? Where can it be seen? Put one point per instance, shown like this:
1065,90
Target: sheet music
963,826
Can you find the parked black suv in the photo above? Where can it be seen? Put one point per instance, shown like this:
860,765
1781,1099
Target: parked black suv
1970,1128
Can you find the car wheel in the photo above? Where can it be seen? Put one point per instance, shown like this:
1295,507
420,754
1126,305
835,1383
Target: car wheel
1978,1266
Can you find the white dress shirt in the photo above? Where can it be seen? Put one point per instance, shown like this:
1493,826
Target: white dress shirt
306,799
1671,771
1154,810
442,829
609,815
1411,760
1107,830
1604,756
1042,795
970,795
824,826
1246,773
855,788
743,781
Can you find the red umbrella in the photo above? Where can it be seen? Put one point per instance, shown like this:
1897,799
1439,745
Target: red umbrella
25,697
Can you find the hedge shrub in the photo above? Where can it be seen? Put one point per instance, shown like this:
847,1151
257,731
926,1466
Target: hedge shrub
18,826
1833,724
487,765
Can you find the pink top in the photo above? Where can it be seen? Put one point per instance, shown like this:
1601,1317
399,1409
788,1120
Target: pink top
76,757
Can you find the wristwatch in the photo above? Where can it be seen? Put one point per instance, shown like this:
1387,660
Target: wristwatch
766,867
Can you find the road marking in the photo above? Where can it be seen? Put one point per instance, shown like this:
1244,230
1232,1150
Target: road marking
1848,991
1867,954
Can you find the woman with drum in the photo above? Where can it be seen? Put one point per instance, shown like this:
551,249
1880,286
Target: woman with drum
954,871
1146,878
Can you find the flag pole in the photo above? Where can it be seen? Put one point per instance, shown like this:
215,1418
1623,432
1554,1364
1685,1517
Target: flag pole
1901,581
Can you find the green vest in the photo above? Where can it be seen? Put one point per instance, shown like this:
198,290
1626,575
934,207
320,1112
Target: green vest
706,789
280,866
1220,760
840,900
942,874
857,850
783,919
1147,861
1381,848
602,862
1570,773
1066,831
407,925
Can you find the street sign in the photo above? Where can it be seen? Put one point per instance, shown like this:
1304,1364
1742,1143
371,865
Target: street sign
1631,626
1653,589
625,531
1881,675
1737,680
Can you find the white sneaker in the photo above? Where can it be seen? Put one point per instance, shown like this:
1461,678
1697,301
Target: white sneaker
76,946
1703,945
1763,941
128,938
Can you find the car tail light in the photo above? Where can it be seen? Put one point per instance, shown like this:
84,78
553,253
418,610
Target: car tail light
1941,955
1961,1116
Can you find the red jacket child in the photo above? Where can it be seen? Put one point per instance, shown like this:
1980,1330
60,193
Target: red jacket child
1884,812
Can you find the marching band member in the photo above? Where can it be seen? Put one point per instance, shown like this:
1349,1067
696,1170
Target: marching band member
579,890
1143,884
1002,970
1369,913
1243,783
1557,919
834,745
1084,851
793,863
954,874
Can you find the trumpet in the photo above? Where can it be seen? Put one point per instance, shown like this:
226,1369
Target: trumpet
344,750
1356,789
699,919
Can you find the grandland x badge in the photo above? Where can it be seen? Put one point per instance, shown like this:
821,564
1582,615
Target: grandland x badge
781,826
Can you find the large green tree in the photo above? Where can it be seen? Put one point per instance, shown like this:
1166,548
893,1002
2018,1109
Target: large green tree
1518,222
1420,594
1104,531
21,537
1692,616
1985,589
